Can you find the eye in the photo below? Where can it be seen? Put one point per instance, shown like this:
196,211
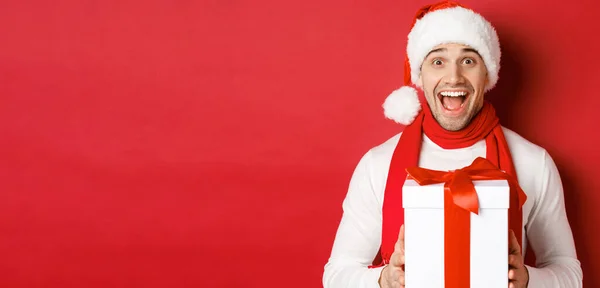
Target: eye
469,61
437,62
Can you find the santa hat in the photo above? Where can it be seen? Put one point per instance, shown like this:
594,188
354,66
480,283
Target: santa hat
440,23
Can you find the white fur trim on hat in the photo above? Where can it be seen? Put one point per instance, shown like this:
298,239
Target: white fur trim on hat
454,25
402,105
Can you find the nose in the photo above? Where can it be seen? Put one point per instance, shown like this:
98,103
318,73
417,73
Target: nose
454,75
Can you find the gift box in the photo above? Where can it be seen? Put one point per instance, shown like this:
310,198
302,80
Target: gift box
475,249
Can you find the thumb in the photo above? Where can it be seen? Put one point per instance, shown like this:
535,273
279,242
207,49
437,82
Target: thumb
513,243
400,243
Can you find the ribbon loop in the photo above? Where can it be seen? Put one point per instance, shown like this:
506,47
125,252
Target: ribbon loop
463,191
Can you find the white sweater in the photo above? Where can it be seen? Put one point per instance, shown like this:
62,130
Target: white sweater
545,222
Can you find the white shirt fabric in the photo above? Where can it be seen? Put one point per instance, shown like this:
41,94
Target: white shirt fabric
544,218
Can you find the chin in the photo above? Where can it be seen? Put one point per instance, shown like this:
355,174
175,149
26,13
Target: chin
453,123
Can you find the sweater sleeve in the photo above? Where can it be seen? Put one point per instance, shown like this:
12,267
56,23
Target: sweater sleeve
550,236
358,236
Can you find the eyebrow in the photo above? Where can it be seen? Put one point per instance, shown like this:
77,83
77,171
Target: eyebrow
464,50
435,50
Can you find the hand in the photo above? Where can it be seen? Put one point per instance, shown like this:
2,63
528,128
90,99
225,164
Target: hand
392,276
518,275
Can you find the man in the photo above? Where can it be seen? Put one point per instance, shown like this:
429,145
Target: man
453,56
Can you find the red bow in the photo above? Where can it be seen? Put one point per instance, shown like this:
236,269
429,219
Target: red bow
460,198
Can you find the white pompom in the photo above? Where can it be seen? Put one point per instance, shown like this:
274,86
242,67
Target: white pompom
402,105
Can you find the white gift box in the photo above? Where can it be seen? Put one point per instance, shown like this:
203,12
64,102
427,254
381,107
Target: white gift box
424,235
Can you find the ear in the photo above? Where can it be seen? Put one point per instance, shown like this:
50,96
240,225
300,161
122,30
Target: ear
487,78
420,81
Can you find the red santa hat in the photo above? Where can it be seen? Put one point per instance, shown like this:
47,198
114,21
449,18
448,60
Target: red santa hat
440,23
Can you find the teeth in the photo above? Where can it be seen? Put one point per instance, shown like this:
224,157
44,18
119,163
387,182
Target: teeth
453,93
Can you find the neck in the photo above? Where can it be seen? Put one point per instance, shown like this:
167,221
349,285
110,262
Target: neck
478,128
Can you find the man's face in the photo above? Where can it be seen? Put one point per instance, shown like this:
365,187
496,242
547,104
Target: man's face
453,77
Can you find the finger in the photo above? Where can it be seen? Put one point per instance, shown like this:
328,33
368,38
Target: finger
395,277
515,261
513,244
512,274
401,279
512,285
397,259
400,243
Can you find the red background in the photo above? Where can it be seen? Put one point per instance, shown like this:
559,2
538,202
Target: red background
210,144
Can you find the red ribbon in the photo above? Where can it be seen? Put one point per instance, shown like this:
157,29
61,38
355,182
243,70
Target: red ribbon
460,198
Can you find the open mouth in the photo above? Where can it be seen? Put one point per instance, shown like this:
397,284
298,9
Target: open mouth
453,100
